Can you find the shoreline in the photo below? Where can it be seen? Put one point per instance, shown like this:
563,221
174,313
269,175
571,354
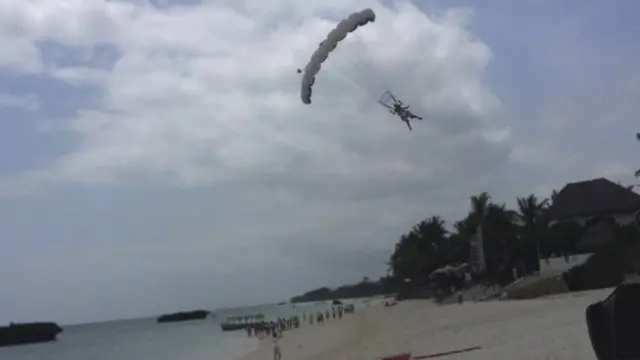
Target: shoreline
332,338
239,347
544,328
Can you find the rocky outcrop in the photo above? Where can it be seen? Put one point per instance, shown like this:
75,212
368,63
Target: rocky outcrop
16,334
543,286
183,316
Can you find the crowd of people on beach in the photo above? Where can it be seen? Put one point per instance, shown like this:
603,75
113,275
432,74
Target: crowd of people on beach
274,329
280,325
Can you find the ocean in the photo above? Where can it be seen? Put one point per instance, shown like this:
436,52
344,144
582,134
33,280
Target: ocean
144,339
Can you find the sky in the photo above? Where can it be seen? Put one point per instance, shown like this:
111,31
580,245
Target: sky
155,155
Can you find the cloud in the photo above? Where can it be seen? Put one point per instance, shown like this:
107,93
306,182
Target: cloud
166,152
205,98
22,102
184,103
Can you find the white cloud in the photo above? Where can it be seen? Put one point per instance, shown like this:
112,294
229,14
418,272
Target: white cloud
203,94
197,109
23,102
208,95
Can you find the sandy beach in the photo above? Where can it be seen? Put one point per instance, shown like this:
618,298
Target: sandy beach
547,328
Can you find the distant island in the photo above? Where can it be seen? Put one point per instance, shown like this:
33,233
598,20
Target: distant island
364,288
184,316
16,334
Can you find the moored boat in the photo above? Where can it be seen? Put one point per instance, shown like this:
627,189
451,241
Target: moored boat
241,322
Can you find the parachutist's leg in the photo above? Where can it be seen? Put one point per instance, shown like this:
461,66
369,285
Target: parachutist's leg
409,125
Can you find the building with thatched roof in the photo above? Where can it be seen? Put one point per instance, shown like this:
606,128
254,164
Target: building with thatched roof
597,205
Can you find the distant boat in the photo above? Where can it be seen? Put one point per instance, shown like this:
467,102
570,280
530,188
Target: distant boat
234,323
16,334
183,316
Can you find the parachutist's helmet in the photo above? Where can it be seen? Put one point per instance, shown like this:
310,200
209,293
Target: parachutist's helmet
299,71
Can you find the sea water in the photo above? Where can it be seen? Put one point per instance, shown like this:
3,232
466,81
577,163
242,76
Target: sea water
144,339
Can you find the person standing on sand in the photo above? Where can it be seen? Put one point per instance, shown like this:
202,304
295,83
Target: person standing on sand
275,339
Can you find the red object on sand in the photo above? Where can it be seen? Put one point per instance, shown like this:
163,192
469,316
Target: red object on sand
398,357
448,353
407,356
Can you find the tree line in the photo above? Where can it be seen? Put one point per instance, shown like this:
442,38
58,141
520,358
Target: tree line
514,240
365,288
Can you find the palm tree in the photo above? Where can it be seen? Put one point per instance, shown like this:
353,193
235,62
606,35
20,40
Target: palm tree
433,236
531,226
431,228
499,236
458,240
479,210
464,227
628,187
479,207
420,251
554,196
404,261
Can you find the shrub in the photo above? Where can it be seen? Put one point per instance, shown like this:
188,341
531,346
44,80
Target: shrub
606,268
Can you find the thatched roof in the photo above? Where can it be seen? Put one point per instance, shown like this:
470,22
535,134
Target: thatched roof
592,198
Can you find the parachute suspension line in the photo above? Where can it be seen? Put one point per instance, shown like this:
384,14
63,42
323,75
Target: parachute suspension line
348,61
361,67
337,77
352,70
344,75
348,74
367,59
340,73
329,97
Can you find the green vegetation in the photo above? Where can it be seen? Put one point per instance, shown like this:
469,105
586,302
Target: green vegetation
513,242
364,288
609,266
510,240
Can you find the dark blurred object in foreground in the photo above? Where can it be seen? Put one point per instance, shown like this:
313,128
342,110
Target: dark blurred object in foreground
613,324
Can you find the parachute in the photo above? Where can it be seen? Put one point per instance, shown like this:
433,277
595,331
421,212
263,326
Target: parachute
336,35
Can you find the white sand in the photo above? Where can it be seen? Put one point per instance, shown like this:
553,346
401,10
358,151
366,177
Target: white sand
551,328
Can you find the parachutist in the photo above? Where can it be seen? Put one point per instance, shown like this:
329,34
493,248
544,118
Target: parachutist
398,108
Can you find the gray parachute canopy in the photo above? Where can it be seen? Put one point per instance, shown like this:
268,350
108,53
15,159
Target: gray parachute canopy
336,35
